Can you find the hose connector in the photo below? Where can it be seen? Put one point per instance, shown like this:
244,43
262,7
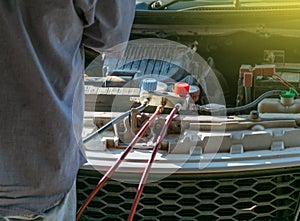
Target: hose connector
178,106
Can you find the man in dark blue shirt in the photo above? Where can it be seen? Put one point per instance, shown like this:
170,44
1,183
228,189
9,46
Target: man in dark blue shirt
42,97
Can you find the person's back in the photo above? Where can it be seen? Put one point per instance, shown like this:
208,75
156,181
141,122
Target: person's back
41,93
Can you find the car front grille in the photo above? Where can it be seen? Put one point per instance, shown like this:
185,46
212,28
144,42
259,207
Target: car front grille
255,195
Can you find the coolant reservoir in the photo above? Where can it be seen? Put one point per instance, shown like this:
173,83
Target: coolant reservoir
285,104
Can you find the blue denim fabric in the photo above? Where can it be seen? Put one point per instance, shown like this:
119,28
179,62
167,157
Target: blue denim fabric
42,93
65,210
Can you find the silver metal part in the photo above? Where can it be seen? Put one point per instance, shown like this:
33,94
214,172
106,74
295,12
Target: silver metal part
168,99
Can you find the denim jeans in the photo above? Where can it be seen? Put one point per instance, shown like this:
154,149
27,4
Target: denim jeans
65,210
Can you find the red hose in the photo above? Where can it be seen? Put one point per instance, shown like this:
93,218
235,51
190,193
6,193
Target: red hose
151,160
108,174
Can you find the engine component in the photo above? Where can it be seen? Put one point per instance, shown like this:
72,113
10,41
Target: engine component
246,78
254,81
194,92
158,97
285,104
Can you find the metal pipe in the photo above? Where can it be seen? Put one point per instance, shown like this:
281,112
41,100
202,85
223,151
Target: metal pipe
114,121
151,160
109,173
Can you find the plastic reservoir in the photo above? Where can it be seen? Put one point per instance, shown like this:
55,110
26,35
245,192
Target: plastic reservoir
279,105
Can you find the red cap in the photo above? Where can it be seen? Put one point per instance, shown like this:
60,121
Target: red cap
181,88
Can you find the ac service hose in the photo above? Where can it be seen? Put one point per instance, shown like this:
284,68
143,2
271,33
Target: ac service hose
151,160
113,168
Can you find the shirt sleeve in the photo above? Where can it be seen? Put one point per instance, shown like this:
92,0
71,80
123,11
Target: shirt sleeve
111,25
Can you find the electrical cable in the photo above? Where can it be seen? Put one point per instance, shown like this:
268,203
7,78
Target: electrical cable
114,121
286,83
151,160
108,174
283,82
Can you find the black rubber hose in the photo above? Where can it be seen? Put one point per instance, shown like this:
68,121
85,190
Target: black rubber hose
236,109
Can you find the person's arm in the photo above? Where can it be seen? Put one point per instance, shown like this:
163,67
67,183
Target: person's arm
111,26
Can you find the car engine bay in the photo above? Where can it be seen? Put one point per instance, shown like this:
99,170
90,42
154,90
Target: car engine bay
232,76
